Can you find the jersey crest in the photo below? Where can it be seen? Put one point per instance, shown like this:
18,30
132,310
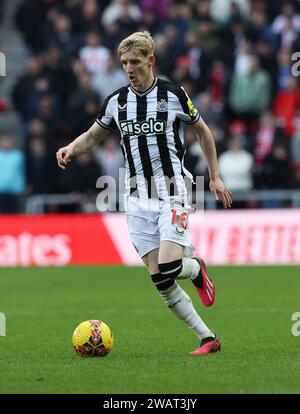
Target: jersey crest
162,105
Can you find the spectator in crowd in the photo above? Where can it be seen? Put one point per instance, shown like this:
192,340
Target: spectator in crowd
284,60
260,28
37,166
250,93
175,49
288,36
268,62
40,94
80,182
30,19
295,179
219,80
85,118
234,34
222,10
110,80
219,138
79,99
110,158
176,20
285,105
25,84
197,61
111,36
63,36
87,171
86,16
78,69
165,64
39,147
295,142
194,160
236,168
210,112
94,55
202,9
209,41
127,23
48,109
115,10
265,137
160,8
287,20
149,23
243,58
57,68
37,129
238,129
12,177
276,173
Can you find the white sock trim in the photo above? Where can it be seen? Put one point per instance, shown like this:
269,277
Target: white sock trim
190,268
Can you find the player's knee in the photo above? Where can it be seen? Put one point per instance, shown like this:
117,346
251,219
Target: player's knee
152,268
150,261
171,269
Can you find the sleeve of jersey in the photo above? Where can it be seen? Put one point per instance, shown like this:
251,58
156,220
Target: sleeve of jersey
186,110
105,118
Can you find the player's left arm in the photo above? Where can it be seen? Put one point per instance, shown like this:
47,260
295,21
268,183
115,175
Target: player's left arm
207,143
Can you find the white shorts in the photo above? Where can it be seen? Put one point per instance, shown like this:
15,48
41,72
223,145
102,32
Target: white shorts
148,228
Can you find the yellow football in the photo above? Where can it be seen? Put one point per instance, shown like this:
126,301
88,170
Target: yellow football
92,338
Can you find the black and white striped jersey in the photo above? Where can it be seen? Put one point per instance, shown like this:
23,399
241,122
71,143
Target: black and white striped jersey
151,136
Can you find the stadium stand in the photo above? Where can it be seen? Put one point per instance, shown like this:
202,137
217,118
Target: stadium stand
236,66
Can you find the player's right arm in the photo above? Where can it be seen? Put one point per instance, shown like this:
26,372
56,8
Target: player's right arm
85,142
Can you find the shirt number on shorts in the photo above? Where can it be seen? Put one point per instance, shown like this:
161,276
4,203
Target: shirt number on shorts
180,218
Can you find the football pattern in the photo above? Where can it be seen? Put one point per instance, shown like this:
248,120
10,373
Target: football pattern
93,338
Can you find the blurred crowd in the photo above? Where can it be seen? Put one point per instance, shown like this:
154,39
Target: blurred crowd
234,58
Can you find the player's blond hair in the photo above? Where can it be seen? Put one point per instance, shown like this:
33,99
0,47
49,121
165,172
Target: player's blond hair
138,42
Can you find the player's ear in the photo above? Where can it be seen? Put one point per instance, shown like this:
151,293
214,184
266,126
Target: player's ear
151,60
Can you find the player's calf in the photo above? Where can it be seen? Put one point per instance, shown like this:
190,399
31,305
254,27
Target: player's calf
162,282
179,302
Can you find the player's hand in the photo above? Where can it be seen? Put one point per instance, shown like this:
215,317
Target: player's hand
220,191
64,156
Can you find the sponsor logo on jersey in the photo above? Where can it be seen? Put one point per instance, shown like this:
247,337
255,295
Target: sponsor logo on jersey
162,105
151,126
122,107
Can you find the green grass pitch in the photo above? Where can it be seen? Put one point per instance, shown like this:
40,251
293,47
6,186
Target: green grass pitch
252,316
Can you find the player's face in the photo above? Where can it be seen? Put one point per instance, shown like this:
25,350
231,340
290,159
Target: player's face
138,68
